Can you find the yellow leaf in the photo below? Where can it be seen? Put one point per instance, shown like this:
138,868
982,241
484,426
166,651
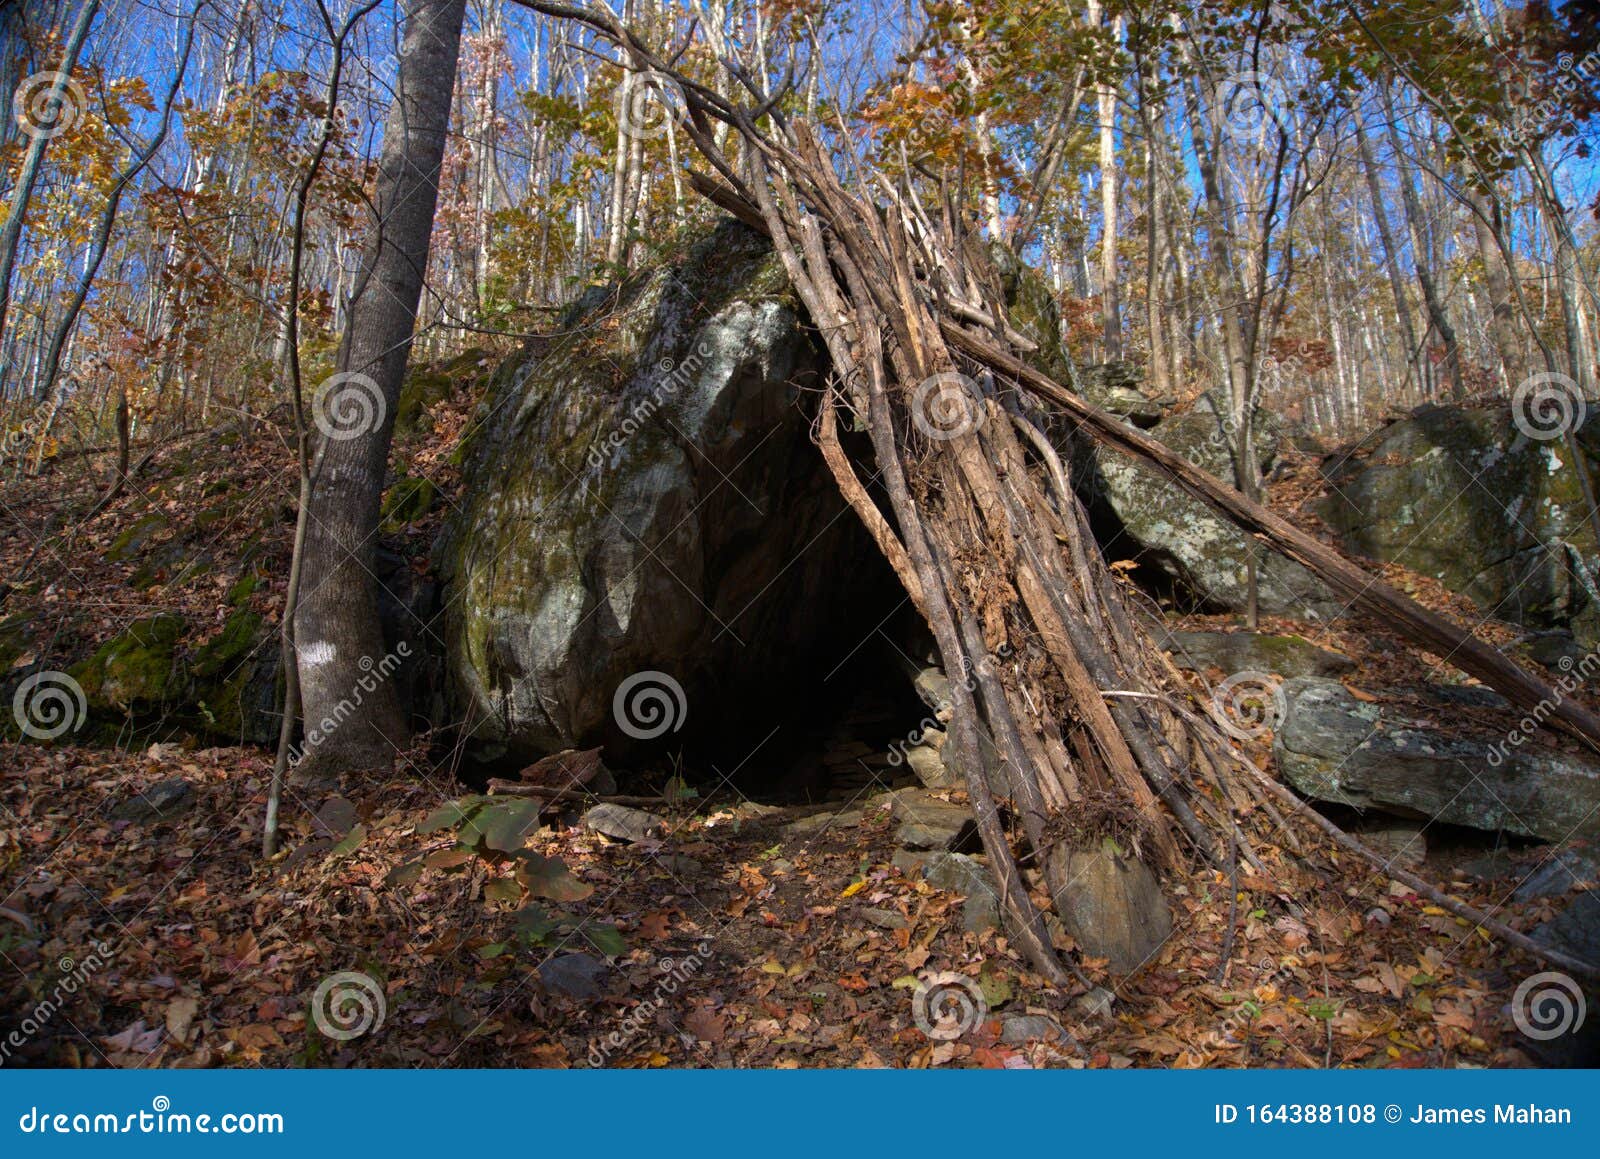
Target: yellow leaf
772,967
854,888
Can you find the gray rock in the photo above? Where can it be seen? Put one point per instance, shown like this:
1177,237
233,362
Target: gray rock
927,763
1118,387
1334,748
958,873
1559,874
818,823
1576,929
1161,526
1281,655
910,862
927,822
1017,1029
574,976
1113,907
933,686
885,919
646,498
1097,1003
1464,496
160,801
623,823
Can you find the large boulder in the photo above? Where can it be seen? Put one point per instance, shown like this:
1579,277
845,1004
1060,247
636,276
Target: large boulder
1465,496
1335,748
643,498
1141,516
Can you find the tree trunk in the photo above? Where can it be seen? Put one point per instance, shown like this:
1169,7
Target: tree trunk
1391,252
33,161
352,718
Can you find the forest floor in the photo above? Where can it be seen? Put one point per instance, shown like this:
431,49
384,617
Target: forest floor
748,944
165,940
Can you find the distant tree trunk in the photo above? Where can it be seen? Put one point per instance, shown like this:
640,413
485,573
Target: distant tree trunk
1110,299
1419,255
1486,226
33,160
354,720
1391,252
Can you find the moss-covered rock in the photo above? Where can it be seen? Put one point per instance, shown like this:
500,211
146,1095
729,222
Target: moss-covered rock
1466,497
136,670
428,385
408,500
135,537
643,495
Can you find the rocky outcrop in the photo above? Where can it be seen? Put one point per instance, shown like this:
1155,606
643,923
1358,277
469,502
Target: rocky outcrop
1465,496
1141,516
1333,747
643,497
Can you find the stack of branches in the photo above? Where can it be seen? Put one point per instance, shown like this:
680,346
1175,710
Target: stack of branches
1090,725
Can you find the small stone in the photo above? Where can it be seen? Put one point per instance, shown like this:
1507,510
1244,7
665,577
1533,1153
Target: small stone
927,765
1097,1003
1017,1029
574,976
933,686
819,823
885,919
160,801
928,822
958,873
623,823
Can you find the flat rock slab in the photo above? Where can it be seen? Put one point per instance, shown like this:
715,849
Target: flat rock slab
574,976
929,822
623,823
1113,907
1335,748
1564,871
1017,1029
821,822
157,803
